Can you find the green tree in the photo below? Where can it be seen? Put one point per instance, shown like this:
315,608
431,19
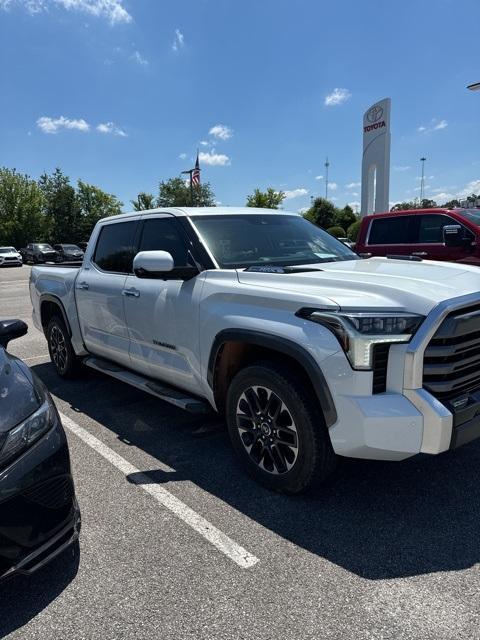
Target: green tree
336,231
402,206
60,206
143,201
451,204
353,230
427,204
322,213
269,199
21,209
176,193
93,204
345,217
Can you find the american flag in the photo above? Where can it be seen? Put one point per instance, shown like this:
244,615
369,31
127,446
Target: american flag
195,177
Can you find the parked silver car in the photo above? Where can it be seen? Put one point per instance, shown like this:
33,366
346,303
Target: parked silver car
9,256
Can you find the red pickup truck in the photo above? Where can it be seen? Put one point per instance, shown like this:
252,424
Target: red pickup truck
433,234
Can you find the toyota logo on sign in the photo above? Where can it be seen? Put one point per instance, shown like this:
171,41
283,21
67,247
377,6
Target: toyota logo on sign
374,114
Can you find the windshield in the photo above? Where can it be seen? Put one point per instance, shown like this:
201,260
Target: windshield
248,240
70,247
45,247
7,250
473,215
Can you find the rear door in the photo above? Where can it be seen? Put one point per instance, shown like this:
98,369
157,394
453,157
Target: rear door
163,315
428,237
390,236
99,292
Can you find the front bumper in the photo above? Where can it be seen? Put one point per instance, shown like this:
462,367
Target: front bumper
39,514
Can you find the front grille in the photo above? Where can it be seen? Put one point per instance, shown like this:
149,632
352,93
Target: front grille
451,365
51,494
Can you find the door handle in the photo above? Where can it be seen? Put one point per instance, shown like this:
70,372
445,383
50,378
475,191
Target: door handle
419,253
131,293
82,285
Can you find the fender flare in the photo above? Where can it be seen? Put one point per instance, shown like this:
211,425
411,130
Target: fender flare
282,345
48,297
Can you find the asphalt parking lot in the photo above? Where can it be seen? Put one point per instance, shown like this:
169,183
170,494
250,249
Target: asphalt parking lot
178,543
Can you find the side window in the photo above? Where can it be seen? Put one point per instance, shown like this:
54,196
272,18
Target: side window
394,230
114,250
163,234
430,229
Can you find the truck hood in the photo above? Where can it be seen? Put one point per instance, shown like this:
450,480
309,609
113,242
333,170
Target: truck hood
377,283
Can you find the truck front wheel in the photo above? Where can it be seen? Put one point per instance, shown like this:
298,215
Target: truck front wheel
277,429
67,364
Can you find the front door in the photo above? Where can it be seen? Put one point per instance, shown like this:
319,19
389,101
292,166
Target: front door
163,315
428,238
99,292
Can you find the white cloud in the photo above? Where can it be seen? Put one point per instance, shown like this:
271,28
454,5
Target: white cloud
53,125
352,185
471,187
402,168
178,40
443,197
214,159
318,177
182,156
113,10
425,177
302,210
338,96
295,193
333,186
355,205
204,143
434,125
110,127
138,58
354,194
221,131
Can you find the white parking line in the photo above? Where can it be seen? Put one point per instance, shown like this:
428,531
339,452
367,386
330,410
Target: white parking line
44,355
14,281
222,542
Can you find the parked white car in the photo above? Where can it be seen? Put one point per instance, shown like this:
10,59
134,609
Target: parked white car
309,351
9,256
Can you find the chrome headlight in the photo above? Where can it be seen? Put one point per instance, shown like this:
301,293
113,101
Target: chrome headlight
28,431
358,333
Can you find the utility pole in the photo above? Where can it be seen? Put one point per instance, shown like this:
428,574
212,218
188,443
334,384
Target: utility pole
327,164
422,181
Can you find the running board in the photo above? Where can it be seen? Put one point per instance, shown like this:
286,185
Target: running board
163,392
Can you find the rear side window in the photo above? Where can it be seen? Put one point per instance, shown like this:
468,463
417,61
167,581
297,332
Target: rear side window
163,234
390,230
115,247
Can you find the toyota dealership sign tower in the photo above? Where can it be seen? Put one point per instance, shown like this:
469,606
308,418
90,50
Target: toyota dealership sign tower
376,158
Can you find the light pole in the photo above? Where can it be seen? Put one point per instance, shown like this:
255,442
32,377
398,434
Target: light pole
327,164
422,180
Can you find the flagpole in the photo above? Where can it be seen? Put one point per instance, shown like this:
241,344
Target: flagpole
191,187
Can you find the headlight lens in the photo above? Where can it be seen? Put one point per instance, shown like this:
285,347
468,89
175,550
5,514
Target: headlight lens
358,333
28,431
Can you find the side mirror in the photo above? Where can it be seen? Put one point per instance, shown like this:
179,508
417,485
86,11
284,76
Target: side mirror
10,330
159,265
453,235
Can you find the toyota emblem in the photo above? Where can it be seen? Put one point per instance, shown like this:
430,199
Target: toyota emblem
374,114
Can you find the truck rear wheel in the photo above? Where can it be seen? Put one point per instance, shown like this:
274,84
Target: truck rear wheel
60,348
278,430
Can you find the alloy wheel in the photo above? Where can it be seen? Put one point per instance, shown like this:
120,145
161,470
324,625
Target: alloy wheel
267,430
58,348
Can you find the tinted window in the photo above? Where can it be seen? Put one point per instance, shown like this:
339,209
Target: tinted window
430,228
114,251
390,230
162,234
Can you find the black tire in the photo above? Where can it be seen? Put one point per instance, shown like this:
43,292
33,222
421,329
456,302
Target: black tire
273,459
66,363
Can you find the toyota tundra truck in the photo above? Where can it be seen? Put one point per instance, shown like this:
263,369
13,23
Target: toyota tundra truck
307,351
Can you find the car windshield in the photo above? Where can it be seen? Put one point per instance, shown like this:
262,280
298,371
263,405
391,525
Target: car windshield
473,215
70,247
45,247
240,241
7,250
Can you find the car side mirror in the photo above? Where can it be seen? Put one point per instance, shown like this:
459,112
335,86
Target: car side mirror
10,330
159,265
453,235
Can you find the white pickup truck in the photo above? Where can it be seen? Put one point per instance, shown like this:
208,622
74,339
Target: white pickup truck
309,351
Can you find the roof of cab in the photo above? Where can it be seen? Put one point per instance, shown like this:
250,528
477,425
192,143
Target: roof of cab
200,211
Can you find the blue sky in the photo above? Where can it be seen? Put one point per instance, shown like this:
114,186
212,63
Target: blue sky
120,93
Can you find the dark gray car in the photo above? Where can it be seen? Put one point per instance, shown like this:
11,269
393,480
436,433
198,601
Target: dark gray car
36,252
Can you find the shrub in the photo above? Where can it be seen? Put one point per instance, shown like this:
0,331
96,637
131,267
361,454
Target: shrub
336,231
352,231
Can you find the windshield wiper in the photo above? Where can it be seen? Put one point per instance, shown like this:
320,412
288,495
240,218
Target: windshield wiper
280,269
